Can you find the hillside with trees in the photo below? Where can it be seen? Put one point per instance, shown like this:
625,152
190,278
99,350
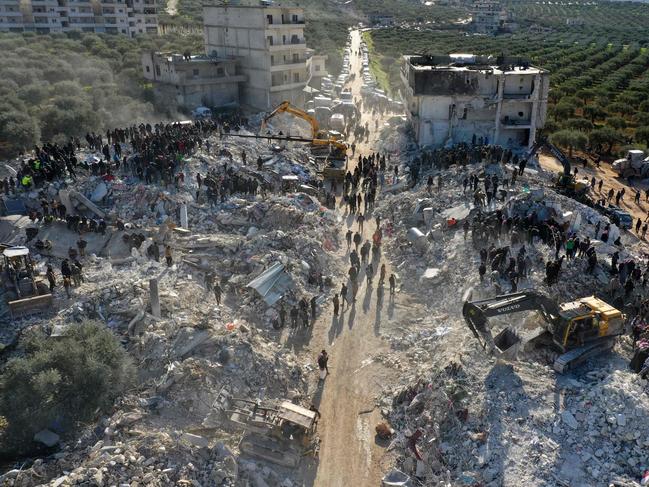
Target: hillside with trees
56,86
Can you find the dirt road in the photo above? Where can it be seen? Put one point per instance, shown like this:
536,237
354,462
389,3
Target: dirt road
349,454
611,180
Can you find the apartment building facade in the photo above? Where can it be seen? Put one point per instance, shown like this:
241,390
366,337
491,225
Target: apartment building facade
488,17
127,17
452,99
193,81
268,43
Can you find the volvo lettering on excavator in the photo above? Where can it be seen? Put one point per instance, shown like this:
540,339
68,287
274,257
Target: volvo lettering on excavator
577,330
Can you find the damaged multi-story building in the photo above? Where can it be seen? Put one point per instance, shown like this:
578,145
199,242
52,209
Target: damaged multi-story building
255,56
127,17
462,98
268,43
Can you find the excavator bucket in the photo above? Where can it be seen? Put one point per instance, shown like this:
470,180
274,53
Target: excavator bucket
507,343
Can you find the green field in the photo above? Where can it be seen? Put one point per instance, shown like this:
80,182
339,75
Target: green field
599,75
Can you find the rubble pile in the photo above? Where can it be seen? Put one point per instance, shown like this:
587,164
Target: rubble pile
170,430
462,418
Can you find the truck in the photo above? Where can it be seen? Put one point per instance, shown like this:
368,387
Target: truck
337,122
633,165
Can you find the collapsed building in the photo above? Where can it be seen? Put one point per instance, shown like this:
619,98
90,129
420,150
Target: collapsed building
464,97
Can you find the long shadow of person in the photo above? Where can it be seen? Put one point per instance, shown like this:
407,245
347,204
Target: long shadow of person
379,306
368,298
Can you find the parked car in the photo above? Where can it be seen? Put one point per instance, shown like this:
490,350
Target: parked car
201,112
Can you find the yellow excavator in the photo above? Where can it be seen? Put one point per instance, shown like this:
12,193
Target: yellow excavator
286,107
577,330
321,139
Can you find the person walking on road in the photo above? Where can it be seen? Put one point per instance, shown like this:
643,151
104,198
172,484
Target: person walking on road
336,303
360,219
343,295
323,364
393,284
357,240
313,307
348,237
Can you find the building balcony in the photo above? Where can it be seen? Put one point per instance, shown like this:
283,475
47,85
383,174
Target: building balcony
288,86
284,25
290,64
516,124
299,44
81,25
517,96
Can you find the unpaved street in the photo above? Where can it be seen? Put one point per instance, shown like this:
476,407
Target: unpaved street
349,454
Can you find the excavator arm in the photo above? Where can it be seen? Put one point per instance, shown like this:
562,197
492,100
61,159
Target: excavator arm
339,146
285,107
477,313
554,150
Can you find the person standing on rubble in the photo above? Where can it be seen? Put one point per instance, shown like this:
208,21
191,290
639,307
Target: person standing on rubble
209,281
217,293
51,278
81,245
77,275
393,284
282,315
323,364
168,256
66,272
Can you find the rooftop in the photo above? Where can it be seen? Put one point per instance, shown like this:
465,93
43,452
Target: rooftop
471,62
